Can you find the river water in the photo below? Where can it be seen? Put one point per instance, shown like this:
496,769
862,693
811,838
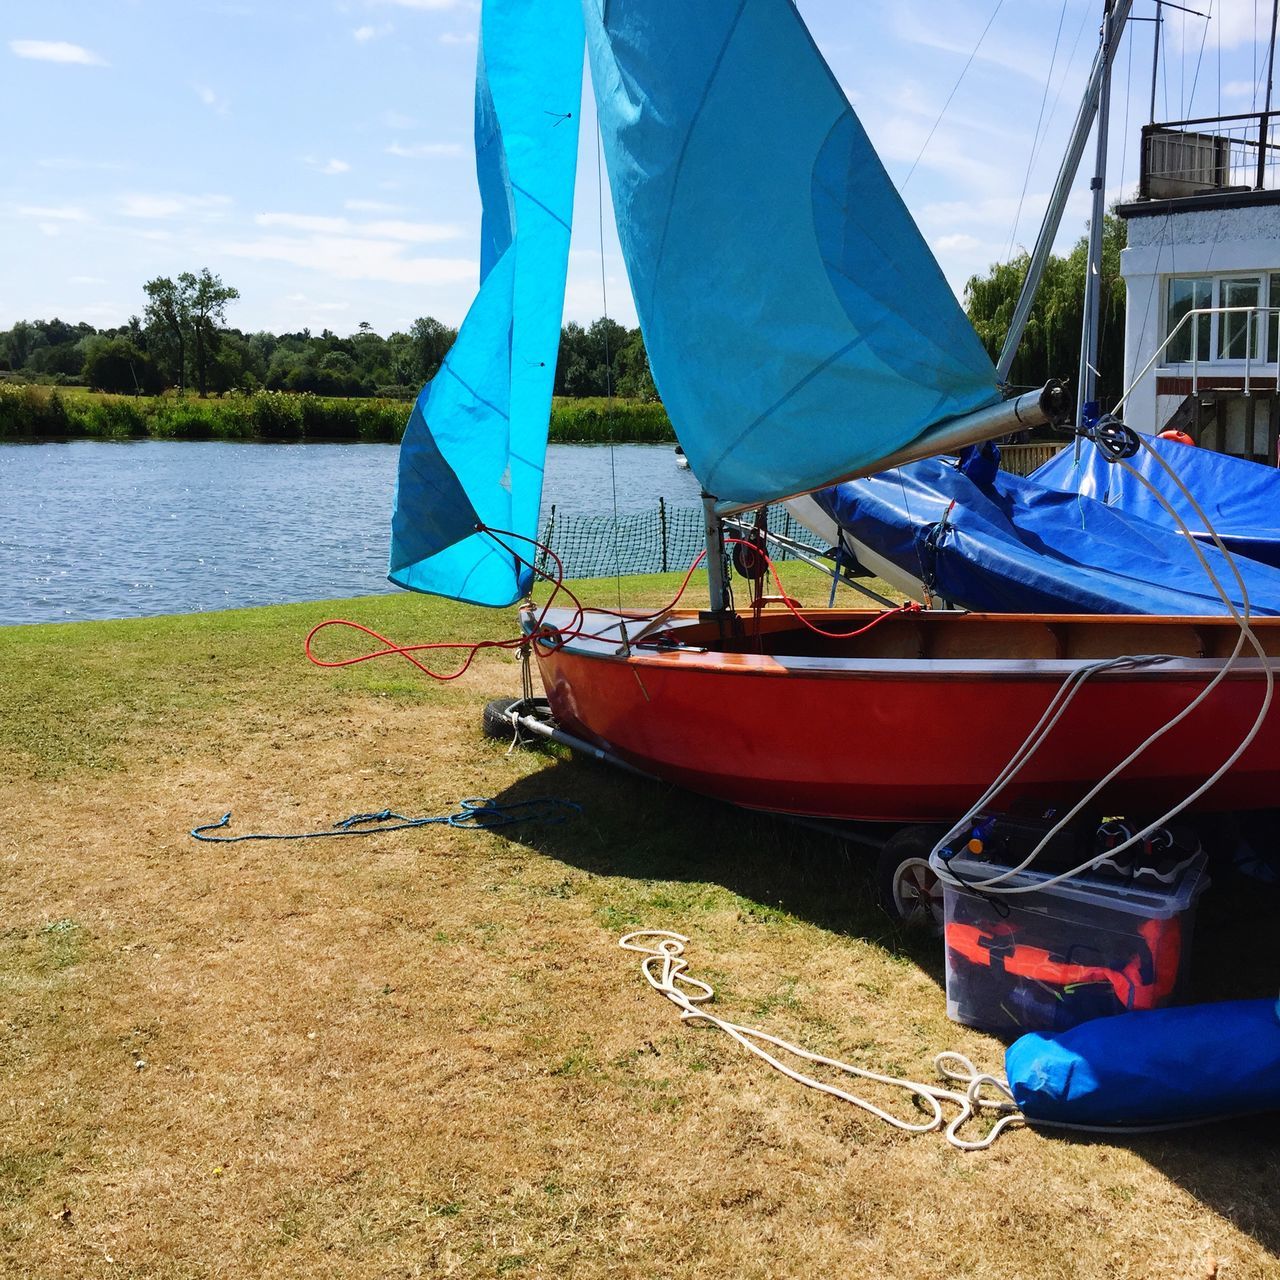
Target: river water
92,529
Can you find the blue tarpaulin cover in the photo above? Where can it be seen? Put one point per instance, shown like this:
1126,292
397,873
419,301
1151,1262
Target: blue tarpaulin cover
1241,498
476,442
1003,544
797,325
1156,1067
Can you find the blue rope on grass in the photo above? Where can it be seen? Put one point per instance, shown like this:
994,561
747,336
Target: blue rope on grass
473,814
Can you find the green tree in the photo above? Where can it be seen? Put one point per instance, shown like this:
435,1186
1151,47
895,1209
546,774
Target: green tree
1050,346
207,299
19,343
431,341
168,317
117,365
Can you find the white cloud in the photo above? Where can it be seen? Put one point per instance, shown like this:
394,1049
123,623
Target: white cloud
164,205
420,4
423,150
301,222
950,29
405,232
354,257
958,243
54,213
57,51
88,280
363,34
1238,89
74,163
330,168
372,206
211,99
458,37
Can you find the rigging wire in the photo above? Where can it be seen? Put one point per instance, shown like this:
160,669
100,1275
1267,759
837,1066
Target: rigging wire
1124,141
1195,79
1035,135
608,369
952,94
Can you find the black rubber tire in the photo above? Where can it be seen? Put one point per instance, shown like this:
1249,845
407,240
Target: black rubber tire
494,719
906,885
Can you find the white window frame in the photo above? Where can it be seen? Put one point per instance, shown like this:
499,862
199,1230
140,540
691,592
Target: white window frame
1262,324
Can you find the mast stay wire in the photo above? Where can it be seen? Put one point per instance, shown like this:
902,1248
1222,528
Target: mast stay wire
1195,78
1035,134
608,371
964,71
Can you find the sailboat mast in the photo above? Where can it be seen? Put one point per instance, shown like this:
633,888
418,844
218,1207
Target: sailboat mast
1087,385
1117,16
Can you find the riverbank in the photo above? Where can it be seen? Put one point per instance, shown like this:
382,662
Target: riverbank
422,1052
29,412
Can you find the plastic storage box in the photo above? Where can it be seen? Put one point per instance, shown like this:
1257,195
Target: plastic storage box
1048,959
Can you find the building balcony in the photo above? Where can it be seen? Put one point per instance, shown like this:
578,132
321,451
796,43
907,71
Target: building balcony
1183,158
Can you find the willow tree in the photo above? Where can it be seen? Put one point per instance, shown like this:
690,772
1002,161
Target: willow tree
1050,346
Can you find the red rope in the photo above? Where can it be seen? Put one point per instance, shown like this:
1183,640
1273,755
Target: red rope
575,630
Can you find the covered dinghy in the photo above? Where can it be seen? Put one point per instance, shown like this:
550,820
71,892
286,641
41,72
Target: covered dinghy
997,543
1241,498
1157,1068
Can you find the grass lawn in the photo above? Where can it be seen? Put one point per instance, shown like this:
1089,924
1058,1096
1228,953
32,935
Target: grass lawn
422,1053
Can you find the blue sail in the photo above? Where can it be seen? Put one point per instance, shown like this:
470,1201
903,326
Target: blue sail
475,446
797,325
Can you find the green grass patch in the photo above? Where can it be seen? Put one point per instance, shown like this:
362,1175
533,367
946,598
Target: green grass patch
29,412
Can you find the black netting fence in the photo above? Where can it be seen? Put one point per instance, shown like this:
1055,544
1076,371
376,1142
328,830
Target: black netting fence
664,539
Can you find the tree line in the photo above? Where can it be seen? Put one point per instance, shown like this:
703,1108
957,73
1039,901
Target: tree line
1050,346
182,340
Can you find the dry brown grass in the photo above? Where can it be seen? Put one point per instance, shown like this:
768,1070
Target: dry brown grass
421,1053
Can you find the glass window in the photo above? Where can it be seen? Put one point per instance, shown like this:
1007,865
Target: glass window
1184,295
1238,331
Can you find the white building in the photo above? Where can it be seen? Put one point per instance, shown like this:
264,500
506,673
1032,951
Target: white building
1205,238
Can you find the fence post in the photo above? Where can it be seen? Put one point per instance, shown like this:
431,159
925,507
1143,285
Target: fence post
546,540
662,524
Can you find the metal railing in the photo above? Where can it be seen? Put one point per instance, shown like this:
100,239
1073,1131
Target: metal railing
1212,153
1255,317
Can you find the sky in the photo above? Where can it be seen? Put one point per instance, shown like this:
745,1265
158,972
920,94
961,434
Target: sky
317,154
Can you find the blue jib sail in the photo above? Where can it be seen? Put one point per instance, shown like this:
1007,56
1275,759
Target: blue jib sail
475,446
797,325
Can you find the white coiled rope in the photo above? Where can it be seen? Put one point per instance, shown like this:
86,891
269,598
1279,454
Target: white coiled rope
996,884
667,972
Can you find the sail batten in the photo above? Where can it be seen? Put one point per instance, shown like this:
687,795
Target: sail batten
797,325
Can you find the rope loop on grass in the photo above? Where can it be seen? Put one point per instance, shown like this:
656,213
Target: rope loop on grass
473,814
983,1096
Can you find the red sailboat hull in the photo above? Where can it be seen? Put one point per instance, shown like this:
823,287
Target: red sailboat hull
913,720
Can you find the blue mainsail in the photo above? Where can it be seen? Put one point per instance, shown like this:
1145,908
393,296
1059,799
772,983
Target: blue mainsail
475,446
797,325
1241,498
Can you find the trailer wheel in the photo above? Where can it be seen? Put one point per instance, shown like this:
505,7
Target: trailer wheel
909,888
496,719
